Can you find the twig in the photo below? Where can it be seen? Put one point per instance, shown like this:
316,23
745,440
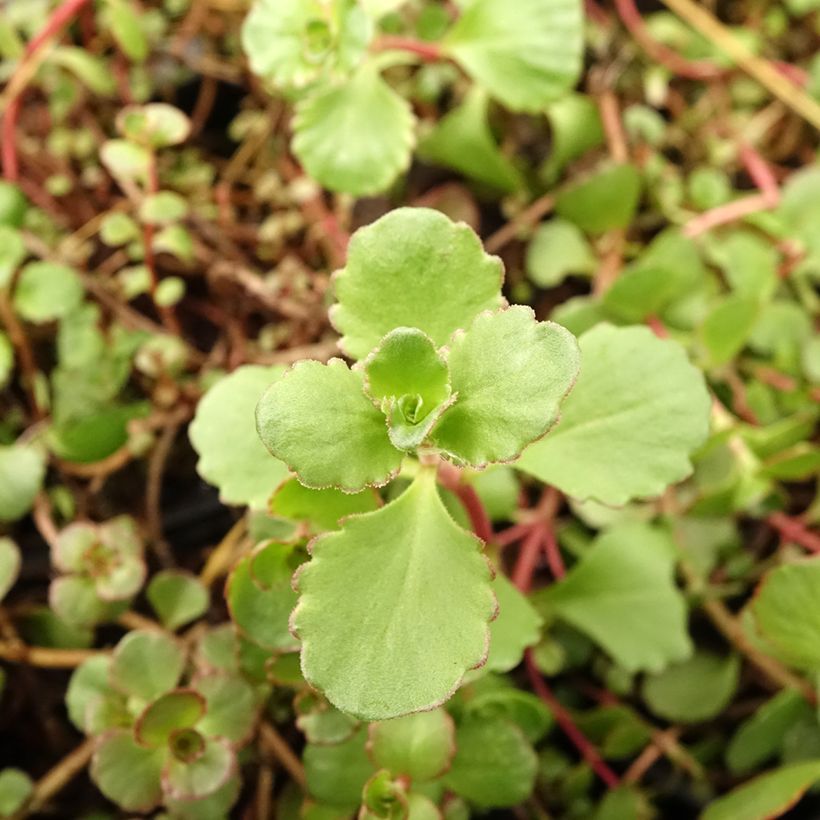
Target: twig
725,214
528,217
59,776
761,70
153,494
133,620
221,559
565,721
45,656
43,520
264,790
276,745
22,347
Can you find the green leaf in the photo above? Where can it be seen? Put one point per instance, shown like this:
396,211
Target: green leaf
177,597
638,410
414,267
769,795
332,117
336,774
622,594
494,765
728,326
9,565
118,229
126,773
89,69
22,470
75,599
392,587
163,207
146,664
575,128
462,140
602,202
213,767
526,54
13,205
230,706
786,613
409,380
15,789
760,737
321,509
317,420
125,161
89,682
6,358
510,374
419,746
322,723
12,250
517,626
154,125
46,291
124,23
223,433
292,43
697,689
260,597
749,263
558,249
496,698
175,710
216,806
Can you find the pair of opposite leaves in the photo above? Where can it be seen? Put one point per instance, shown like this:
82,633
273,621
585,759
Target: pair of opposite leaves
396,605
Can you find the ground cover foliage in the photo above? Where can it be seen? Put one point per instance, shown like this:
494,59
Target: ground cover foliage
409,409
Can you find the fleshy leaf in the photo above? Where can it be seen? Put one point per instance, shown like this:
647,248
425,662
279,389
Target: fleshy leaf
22,470
230,707
205,774
419,746
322,509
179,709
623,595
146,664
414,267
510,374
494,765
75,600
260,596
177,597
638,410
9,565
317,420
89,682
223,433
336,774
525,54
337,151
126,773
409,380
786,613
769,795
517,626
394,608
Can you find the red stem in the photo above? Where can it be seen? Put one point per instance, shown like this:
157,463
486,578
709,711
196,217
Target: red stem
429,52
62,15
553,552
450,478
725,214
793,530
528,557
565,721
512,534
760,173
693,70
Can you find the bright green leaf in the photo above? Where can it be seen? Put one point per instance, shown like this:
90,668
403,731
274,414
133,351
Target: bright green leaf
727,327
46,291
317,419
414,267
22,470
175,710
163,207
517,627
126,773
124,21
177,597
638,410
322,509
206,773
146,664
154,125
558,249
394,608
602,202
336,774
230,706
15,789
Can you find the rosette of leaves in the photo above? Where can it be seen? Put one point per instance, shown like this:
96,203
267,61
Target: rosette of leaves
159,740
395,606
102,566
326,55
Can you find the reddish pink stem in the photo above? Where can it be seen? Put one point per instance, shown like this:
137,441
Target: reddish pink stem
528,557
760,173
450,478
565,721
726,214
693,70
429,52
553,552
512,534
794,530
62,15
657,326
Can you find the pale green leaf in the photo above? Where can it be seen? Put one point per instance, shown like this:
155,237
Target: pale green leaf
46,291
697,689
726,329
89,682
749,262
177,597
336,774
211,769
494,765
125,161
419,746
627,429
6,359
175,710
13,205
89,69
9,565
767,796
558,249
146,664
462,140
124,21
322,723
622,594
163,207
154,125
230,706
525,54
394,608
335,146
575,126
321,509
318,420
223,433
602,202
15,788
126,773
517,627
22,470
414,267
409,380
786,612
509,373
